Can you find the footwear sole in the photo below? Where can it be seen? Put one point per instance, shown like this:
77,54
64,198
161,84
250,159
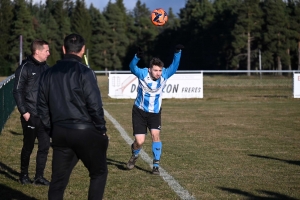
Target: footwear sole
130,167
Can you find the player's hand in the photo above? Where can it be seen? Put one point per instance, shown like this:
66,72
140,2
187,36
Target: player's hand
178,47
140,52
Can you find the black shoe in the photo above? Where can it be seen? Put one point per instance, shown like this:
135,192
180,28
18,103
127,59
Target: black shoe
24,179
155,171
41,181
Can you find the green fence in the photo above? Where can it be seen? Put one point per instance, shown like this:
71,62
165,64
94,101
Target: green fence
7,102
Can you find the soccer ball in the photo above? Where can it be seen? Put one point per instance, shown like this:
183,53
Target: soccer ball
159,17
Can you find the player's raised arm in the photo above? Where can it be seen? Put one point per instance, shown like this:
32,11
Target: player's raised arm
168,72
133,64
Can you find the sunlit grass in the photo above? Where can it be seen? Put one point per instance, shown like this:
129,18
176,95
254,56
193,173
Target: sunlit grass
241,141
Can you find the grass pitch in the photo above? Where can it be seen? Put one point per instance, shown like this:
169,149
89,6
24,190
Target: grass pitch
241,141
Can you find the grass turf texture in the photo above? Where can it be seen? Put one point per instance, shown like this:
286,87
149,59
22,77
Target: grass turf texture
241,141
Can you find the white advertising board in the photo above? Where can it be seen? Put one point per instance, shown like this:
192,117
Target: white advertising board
296,85
124,86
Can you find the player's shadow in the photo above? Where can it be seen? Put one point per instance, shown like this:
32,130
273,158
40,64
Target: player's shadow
8,193
293,162
266,195
8,172
122,165
15,133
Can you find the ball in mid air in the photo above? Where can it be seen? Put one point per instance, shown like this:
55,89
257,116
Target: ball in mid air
159,17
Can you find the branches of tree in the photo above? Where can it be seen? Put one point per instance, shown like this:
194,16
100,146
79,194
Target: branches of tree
215,33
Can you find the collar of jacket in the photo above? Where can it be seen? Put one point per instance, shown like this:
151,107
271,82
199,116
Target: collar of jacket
34,61
72,57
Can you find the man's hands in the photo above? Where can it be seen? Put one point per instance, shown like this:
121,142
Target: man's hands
26,116
178,47
140,52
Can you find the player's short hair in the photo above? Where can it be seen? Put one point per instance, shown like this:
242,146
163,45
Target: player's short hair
156,61
37,45
73,43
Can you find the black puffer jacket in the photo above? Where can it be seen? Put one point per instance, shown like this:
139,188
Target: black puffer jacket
69,96
26,84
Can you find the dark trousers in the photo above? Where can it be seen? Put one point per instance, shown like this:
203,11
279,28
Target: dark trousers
33,129
70,145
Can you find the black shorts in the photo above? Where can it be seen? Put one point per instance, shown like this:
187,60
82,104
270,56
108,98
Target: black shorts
142,120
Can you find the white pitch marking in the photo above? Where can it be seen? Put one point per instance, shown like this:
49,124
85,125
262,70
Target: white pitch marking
176,187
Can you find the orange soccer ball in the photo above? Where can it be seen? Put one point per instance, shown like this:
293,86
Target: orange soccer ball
159,17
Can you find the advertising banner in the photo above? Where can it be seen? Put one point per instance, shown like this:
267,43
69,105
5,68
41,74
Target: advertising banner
296,85
124,86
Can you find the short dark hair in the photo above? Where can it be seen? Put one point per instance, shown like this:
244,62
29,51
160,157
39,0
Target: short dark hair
156,61
37,44
73,43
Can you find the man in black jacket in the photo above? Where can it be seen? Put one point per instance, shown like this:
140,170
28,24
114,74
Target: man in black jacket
70,103
25,93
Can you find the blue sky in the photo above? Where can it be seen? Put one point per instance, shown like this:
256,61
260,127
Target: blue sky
151,4
129,4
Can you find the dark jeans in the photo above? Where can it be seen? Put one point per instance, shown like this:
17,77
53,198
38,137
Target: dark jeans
33,129
70,145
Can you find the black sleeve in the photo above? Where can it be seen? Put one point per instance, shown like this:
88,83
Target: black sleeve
93,100
42,103
20,87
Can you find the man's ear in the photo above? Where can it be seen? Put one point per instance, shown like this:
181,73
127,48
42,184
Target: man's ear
64,50
83,49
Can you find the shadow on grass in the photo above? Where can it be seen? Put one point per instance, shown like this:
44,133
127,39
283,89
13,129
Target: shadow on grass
15,133
293,162
8,172
7,193
122,165
271,195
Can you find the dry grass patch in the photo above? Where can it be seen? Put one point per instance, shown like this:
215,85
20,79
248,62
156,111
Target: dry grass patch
238,142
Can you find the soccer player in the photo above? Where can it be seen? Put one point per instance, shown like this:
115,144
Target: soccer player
146,111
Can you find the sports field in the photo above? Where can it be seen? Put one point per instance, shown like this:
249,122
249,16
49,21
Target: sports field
241,141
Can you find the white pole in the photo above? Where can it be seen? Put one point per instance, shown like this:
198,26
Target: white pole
259,57
21,49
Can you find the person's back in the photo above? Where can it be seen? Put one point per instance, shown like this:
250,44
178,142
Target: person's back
70,104
67,80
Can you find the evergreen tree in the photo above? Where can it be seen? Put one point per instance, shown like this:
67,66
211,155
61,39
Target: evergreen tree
275,34
117,38
221,32
81,22
6,16
296,26
53,39
196,21
22,26
100,45
294,18
62,19
173,21
246,31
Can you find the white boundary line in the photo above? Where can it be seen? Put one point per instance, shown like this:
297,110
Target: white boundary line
176,187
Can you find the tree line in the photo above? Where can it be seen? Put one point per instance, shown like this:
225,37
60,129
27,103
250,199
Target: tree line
217,35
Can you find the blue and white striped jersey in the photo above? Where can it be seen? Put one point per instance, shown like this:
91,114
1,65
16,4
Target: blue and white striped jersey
149,92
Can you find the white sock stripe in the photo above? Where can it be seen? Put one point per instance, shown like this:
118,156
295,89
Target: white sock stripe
175,186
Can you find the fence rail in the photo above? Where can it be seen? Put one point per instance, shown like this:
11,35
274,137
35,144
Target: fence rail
212,71
7,102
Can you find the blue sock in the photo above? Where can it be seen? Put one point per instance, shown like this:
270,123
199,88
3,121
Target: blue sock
156,150
135,152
